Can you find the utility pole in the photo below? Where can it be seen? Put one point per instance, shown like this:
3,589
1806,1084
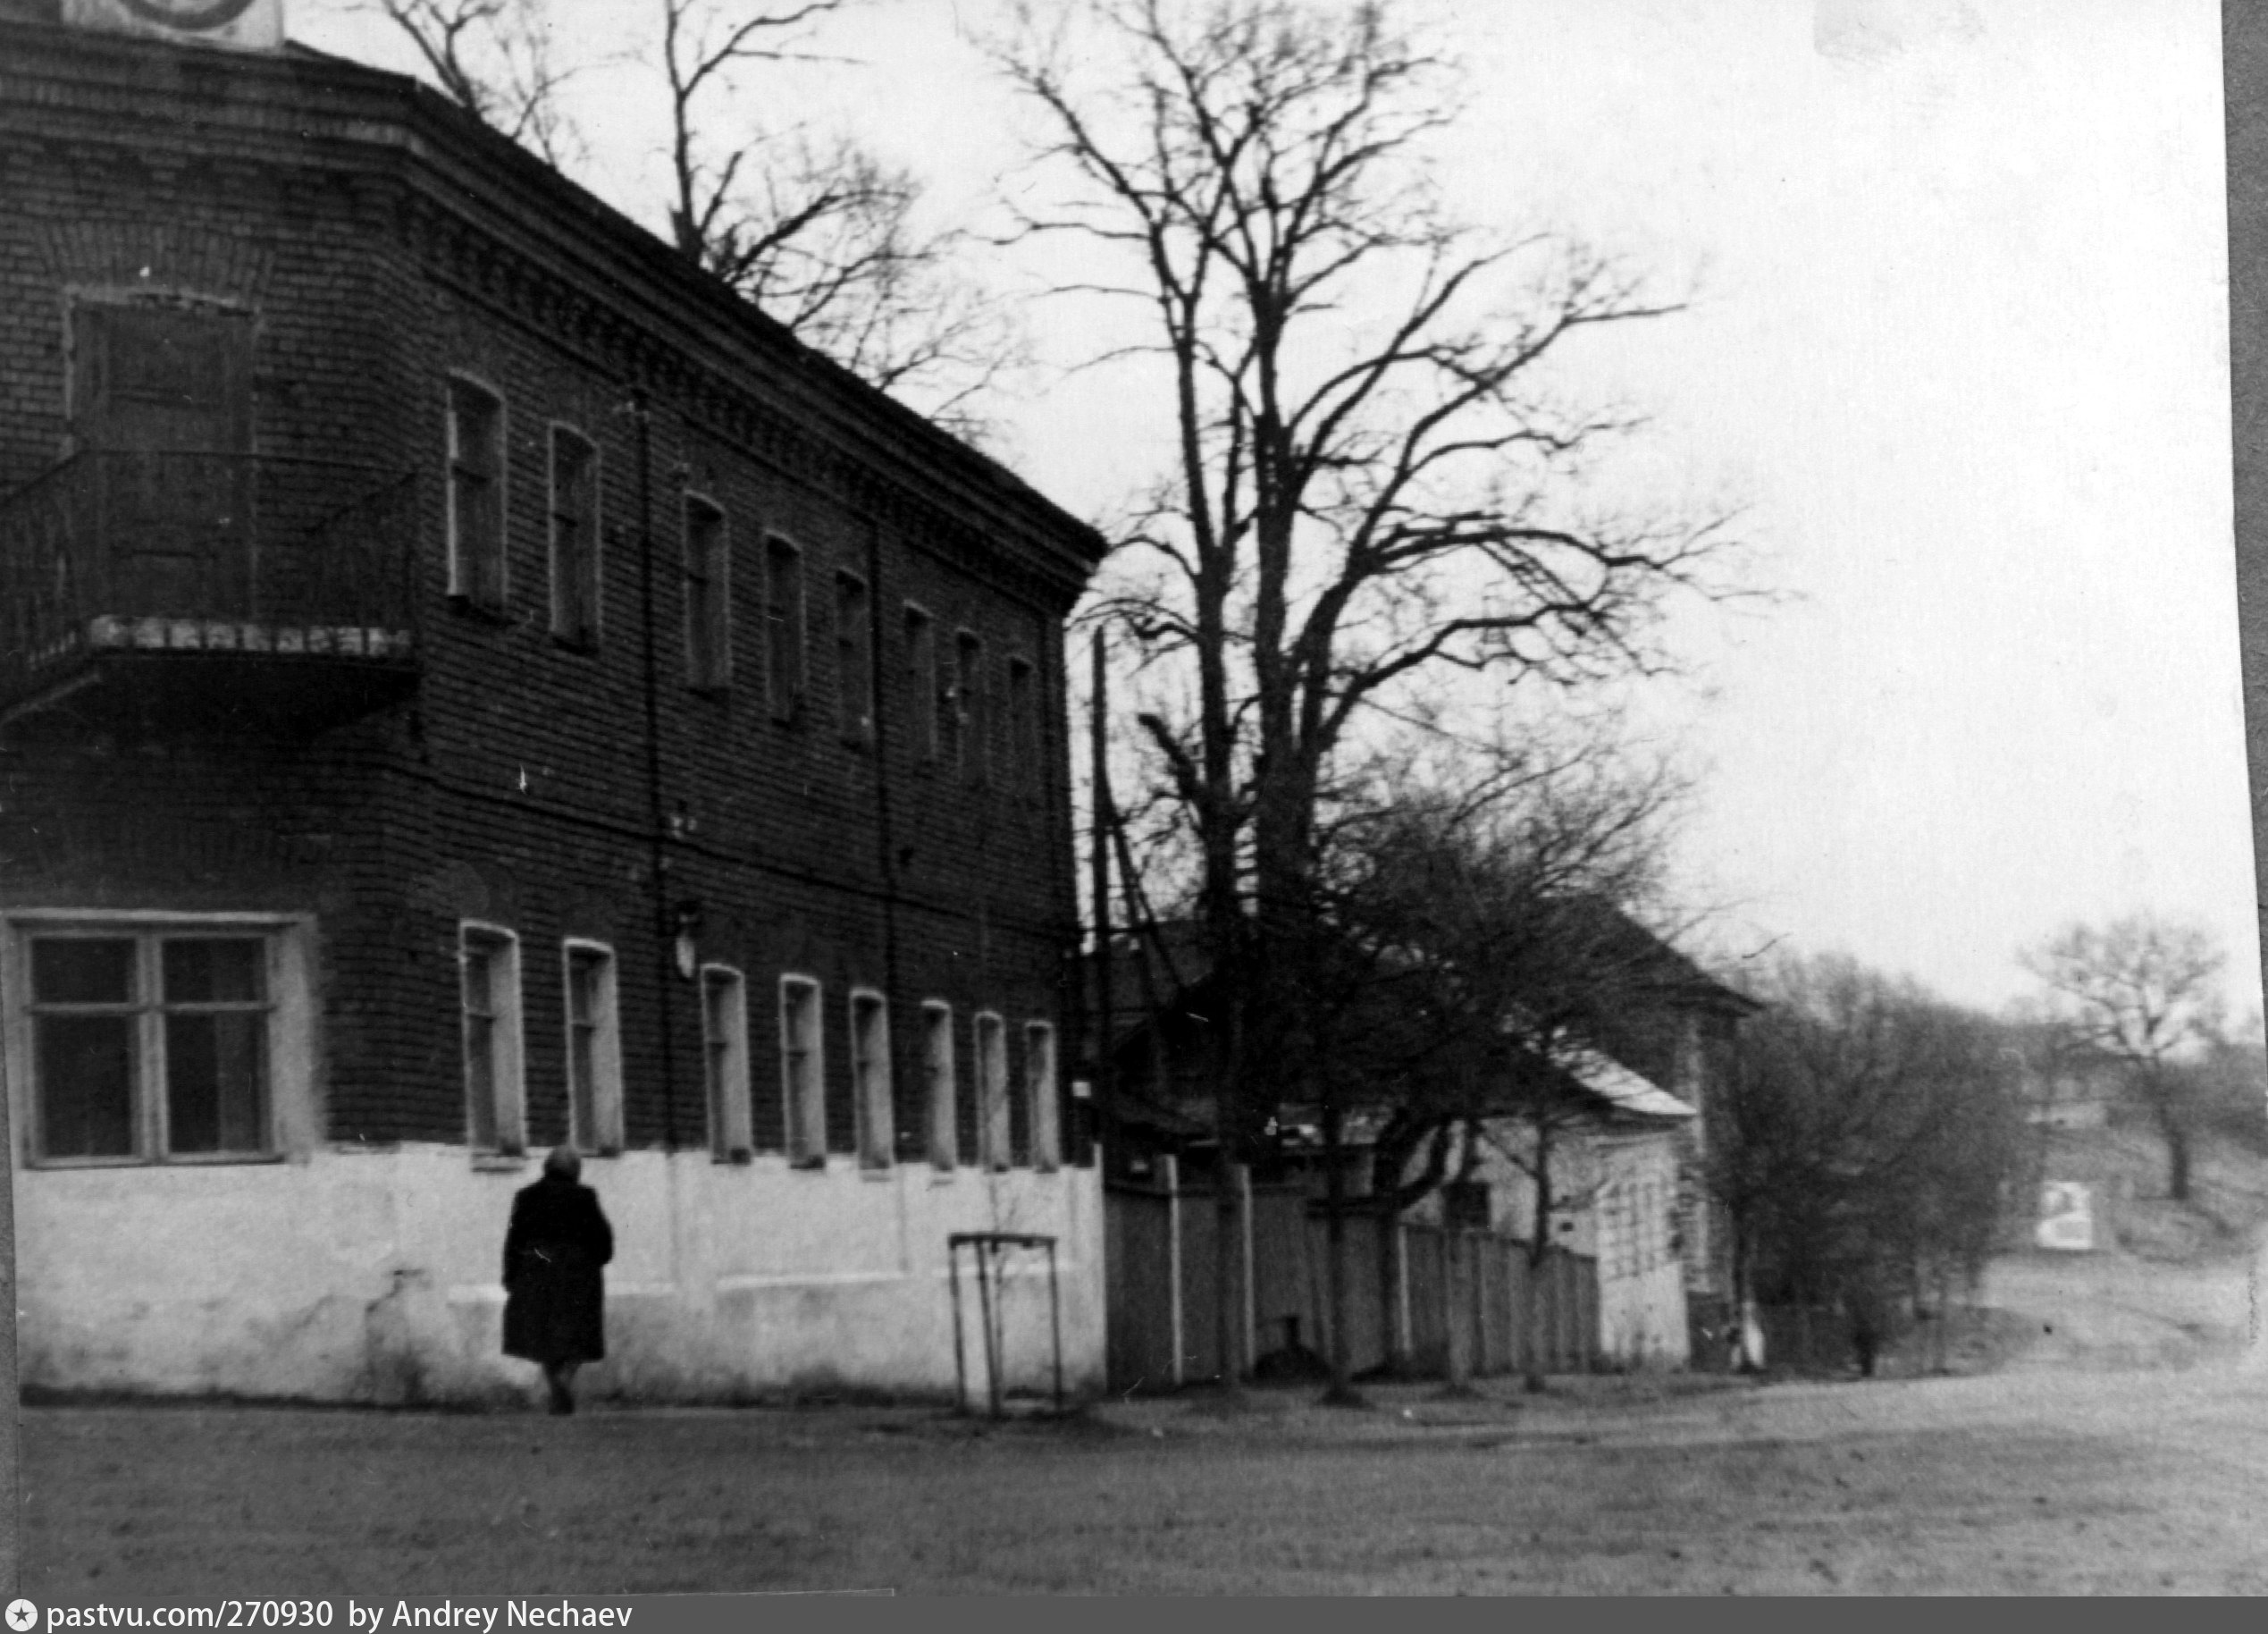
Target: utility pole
1100,861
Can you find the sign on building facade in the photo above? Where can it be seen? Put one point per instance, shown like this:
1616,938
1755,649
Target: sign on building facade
251,25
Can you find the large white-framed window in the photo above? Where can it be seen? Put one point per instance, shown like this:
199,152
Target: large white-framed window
593,1048
993,1149
723,1054
488,959
145,1038
870,1077
937,1084
477,493
1040,1104
803,1070
574,536
709,626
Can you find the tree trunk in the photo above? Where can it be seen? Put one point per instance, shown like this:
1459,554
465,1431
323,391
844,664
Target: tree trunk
2177,1157
1341,1392
1390,1288
1227,1273
1533,1380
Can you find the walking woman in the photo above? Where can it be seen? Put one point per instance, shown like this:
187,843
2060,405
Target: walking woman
554,1306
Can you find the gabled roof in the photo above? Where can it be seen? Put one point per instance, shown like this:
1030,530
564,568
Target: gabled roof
1668,972
1623,1090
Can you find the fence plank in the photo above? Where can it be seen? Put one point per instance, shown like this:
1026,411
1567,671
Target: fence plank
1138,1328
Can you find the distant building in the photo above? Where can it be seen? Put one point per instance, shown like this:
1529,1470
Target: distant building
1640,1257
468,682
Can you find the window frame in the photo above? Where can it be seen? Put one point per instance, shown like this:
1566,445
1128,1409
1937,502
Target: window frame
508,1063
463,585
971,753
940,1086
853,658
995,1149
919,630
802,1072
786,667
1043,1104
288,1125
576,583
732,1137
871,1078
706,582
597,1132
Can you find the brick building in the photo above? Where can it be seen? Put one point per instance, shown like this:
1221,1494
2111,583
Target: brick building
468,682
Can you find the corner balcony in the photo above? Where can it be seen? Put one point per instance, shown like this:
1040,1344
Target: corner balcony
183,591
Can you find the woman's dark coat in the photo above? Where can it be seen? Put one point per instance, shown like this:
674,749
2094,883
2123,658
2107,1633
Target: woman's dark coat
554,1308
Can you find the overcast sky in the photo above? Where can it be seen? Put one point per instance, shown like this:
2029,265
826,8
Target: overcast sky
1960,344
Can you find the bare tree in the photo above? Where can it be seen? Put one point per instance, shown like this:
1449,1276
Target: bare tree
2144,992
495,59
816,231
1376,479
1865,1145
1504,960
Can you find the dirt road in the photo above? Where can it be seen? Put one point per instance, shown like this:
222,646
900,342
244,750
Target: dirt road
2073,1471
2131,1482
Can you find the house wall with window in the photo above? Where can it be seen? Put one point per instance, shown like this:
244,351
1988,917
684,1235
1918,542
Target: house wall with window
676,765
1614,1184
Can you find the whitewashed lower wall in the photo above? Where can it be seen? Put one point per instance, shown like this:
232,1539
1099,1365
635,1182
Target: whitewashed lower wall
373,1275
1642,1279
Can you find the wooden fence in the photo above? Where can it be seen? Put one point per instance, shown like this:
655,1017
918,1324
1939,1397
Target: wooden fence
1473,1285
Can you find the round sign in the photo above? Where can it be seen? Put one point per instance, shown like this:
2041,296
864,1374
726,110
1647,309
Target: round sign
193,15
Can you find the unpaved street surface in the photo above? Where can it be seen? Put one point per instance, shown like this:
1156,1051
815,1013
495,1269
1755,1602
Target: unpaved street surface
2073,1469
2103,1482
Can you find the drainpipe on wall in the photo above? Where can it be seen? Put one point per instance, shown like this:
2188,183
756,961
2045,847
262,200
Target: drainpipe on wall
885,836
657,820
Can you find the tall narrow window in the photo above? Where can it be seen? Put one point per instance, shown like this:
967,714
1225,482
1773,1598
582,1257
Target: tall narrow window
1023,737
992,1150
871,1078
853,660
575,538
593,1051
783,628
922,680
475,494
488,960
936,1083
1039,1095
723,1049
802,1070
709,639
968,718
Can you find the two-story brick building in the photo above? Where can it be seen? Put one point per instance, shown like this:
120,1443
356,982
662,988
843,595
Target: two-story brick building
468,682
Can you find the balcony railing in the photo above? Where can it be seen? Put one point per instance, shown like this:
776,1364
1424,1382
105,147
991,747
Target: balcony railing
266,557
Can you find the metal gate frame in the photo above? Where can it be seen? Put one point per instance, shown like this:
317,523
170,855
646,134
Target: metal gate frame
986,1249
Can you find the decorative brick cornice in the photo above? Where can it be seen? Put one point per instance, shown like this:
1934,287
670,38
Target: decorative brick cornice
483,266
496,223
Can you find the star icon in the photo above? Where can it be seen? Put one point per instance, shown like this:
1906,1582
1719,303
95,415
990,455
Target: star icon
23,1616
